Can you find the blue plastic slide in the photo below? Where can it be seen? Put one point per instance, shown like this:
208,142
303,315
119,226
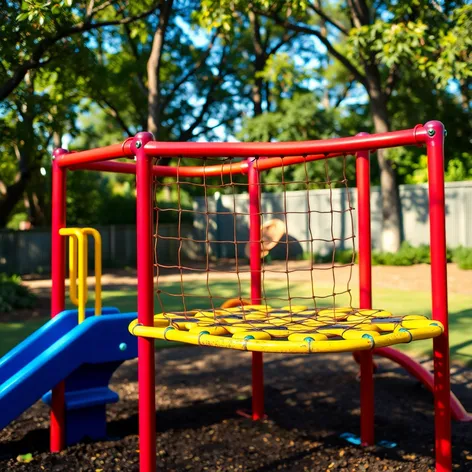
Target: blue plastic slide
84,355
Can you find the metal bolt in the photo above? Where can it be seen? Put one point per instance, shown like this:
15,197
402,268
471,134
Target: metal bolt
123,346
431,132
138,144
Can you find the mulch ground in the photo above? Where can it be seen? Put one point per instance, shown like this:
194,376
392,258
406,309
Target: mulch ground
310,401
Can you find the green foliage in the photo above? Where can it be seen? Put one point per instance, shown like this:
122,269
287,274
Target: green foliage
117,209
340,256
406,256
221,13
85,194
458,168
91,86
17,219
463,257
435,43
14,295
39,10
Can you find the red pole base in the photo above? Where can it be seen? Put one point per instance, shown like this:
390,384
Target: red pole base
367,398
57,426
257,386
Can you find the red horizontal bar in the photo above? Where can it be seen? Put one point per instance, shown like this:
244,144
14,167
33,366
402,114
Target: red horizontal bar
292,151
168,171
325,146
96,155
200,171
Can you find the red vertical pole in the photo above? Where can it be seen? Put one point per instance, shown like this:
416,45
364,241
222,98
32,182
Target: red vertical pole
145,261
365,295
437,224
256,287
58,255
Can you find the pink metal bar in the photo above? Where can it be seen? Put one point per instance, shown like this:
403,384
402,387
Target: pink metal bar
365,287
145,262
437,222
58,254
255,239
413,367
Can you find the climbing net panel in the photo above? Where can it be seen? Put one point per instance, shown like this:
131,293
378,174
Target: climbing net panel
264,263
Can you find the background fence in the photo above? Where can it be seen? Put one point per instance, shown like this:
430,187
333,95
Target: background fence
304,225
24,252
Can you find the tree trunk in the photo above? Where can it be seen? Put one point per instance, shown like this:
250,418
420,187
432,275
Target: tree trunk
24,151
259,63
13,195
391,219
34,202
153,70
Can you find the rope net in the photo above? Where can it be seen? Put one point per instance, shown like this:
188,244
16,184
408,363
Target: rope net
296,294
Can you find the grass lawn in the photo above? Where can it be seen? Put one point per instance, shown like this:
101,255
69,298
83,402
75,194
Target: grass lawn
397,301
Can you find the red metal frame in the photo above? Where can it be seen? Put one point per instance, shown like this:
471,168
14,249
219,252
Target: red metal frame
145,260
255,239
58,255
437,219
293,150
365,288
232,168
458,412
144,148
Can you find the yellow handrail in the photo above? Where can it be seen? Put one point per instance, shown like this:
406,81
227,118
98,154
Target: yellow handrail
78,267
73,269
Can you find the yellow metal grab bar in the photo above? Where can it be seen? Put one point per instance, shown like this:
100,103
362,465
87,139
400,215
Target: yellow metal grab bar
78,267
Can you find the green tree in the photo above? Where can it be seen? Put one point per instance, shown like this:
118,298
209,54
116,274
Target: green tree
44,63
376,43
